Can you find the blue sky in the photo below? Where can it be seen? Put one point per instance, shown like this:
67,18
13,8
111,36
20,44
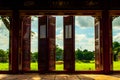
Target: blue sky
116,29
84,33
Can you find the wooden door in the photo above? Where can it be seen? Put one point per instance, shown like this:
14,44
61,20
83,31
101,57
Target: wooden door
98,45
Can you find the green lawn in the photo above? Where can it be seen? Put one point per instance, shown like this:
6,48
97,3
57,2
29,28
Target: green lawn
116,65
78,66
4,66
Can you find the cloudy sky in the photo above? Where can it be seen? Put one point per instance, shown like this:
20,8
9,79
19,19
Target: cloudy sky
84,33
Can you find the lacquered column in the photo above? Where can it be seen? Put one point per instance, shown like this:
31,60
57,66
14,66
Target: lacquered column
42,44
107,41
14,42
69,43
51,42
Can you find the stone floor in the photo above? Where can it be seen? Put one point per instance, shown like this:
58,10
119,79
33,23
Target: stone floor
60,77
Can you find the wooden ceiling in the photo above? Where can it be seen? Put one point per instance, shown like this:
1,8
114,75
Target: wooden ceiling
60,4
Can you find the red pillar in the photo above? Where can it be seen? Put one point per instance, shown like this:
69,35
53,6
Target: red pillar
107,42
69,43
25,31
42,44
51,42
14,42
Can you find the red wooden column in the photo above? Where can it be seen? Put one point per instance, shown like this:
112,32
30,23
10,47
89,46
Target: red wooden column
42,44
98,44
107,42
51,42
69,43
110,43
14,37
26,30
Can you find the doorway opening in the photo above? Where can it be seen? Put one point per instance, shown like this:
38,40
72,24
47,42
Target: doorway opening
59,44
4,42
34,43
84,43
116,43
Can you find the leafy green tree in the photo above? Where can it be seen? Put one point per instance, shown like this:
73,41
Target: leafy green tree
3,56
116,50
59,53
78,54
88,55
34,57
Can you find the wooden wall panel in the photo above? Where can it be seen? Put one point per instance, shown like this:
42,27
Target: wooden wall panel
26,31
98,44
69,43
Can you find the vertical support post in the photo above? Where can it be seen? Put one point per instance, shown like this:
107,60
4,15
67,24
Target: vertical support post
98,44
110,43
107,42
26,30
14,42
51,42
69,43
42,44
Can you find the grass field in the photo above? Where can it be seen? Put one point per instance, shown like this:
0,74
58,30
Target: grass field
59,67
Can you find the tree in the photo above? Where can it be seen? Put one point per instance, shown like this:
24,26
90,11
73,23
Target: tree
34,57
88,55
116,50
79,54
59,53
3,56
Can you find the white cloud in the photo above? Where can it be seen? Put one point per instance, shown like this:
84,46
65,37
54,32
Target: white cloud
116,24
59,22
116,28
34,45
116,21
4,41
4,37
116,37
59,39
84,21
82,42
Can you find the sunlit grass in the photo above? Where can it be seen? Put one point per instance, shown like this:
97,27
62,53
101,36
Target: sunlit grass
34,66
4,66
84,66
116,65
59,67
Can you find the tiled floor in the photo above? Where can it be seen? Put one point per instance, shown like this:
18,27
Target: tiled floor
59,77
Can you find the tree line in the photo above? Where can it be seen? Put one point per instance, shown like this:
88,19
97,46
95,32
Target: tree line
81,55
